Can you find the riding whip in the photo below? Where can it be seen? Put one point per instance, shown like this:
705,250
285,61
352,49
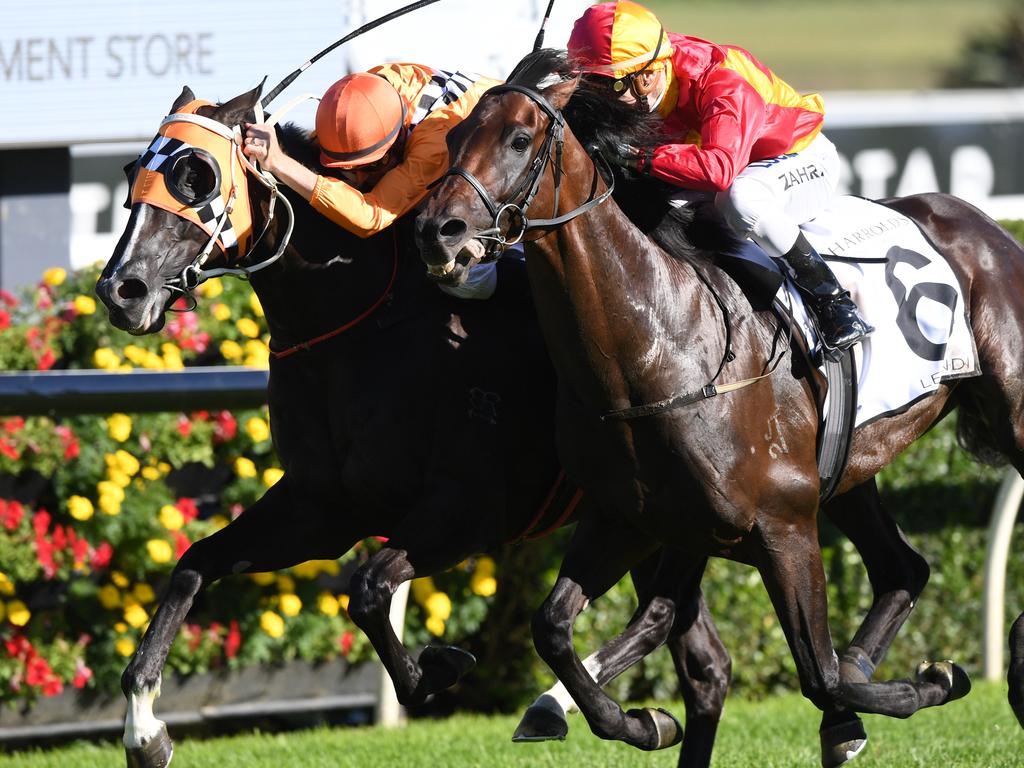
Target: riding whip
540,33
365,28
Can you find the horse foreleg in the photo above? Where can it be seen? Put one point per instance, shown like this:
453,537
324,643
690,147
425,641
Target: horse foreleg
1015,674
792,571
704,669
600,553
544,719
263,538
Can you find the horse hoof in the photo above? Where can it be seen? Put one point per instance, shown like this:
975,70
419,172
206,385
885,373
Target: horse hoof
668,731
155,753
444,665
842,742
950,676
541,724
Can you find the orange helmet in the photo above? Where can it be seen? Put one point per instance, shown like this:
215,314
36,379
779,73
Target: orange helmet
358,120
618,39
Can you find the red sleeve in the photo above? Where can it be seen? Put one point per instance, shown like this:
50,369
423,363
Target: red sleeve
731,114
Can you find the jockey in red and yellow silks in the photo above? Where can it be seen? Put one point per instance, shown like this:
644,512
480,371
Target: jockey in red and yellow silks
733,128
384,131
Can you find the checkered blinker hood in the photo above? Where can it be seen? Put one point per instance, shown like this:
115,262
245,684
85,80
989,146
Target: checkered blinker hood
191,169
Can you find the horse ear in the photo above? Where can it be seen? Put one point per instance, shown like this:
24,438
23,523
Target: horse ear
240,109
558,95
185,97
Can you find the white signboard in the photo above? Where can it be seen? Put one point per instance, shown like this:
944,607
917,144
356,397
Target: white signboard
108,70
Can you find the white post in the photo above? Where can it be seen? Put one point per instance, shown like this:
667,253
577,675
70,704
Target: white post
390,713
1004,515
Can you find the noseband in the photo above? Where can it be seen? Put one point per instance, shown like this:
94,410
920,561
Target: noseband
517,202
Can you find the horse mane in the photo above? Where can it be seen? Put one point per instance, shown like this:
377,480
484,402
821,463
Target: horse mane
601,124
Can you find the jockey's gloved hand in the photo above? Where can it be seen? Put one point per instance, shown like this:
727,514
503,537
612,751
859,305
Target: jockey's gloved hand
631,158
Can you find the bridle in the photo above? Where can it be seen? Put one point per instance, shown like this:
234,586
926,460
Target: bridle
519,200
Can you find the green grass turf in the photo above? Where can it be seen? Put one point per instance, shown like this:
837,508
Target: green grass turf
977,732
837,44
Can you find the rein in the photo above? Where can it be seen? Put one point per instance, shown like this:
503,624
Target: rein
531,184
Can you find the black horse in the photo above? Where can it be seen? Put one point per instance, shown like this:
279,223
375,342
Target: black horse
629,323
396,411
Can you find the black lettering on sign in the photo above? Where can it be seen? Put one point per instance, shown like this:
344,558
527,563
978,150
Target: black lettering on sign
906,319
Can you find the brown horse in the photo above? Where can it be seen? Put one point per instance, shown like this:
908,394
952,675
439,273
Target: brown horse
732,475
380,387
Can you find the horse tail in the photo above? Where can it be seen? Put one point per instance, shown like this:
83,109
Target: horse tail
975,434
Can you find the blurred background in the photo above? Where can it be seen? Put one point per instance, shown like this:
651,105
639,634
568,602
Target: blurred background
920,95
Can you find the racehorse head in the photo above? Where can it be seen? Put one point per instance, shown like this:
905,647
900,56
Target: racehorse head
516,151
190,203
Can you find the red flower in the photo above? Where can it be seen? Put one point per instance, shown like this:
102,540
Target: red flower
5,319
188,509
346,642
225,427
101,556
184,426
14,424
71,449
52,687
82,674
233,641
18,646
8,450
44,554
47,360
181,543
194,633
80,550
8,298
41,522
59,538
11,513
37,671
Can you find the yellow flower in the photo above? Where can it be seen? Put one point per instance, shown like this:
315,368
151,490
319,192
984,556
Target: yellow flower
439,605
106,358
55,276
244,467
221,311
18,613
272,624
435,626
144,593
135,353
422,589
136,615
120,627
313,568
285,583
153,360
151,473
126,462
290,605
108,488
119,478
85,305
3,611
80,508
164,467
218,522
159,550
327,604
109,597
6,585
231,350
119,579
272,475
212,288
171,517
485,586
172,358
257,429
343,602
248,327
484,566
119,426
110,504
254,304
264,579
125,646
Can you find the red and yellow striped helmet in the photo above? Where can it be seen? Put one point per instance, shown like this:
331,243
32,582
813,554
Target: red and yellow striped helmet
617,39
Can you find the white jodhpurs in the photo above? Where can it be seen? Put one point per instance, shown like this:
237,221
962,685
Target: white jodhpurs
770,199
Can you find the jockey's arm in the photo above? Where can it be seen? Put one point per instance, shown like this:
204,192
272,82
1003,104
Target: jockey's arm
731,116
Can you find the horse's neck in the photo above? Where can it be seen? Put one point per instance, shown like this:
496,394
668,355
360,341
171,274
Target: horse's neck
324,279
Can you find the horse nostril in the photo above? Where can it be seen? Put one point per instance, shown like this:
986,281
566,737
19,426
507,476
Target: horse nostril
453,229
132,288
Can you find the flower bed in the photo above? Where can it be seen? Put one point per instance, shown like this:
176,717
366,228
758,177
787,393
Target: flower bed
95,511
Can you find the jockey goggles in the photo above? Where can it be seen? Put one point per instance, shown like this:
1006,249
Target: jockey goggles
620,84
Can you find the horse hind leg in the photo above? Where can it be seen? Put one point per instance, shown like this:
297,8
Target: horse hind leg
1015,674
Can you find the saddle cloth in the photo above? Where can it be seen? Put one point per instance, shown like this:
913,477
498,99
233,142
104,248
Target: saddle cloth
906,290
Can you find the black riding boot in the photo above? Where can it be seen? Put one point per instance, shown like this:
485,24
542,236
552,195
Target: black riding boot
839,321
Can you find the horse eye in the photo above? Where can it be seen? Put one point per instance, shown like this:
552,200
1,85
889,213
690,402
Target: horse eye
521,143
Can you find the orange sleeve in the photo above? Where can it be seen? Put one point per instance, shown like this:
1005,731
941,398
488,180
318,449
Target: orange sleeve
398,191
